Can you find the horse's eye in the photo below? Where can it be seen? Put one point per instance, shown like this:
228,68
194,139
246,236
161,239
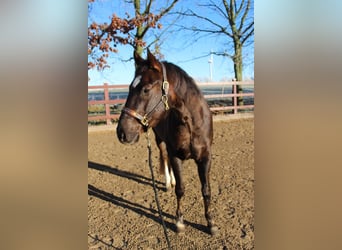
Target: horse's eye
147,88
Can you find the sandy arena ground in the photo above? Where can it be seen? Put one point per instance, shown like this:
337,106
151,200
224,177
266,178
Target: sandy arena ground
122,212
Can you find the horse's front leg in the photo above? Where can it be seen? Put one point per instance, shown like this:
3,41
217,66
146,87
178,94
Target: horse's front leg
203,166
164,166
180,188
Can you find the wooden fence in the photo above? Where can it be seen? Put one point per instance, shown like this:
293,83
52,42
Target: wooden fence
107,102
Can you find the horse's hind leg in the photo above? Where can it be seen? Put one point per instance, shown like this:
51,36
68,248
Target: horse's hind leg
177,169
203,166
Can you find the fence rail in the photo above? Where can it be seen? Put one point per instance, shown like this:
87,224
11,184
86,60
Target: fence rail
223,96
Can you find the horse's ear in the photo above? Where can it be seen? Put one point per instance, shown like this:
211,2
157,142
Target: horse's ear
138,59
153,62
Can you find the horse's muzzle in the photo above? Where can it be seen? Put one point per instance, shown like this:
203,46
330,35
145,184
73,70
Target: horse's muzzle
126,138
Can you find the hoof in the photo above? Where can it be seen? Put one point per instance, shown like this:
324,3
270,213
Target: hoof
214,230
168,189
180,227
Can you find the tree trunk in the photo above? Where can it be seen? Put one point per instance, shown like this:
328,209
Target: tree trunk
238,69
140,29
139,35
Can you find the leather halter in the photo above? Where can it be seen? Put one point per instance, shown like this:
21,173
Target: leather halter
144,119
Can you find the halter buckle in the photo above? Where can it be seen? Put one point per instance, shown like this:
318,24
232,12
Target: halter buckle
164,99
144,121
166,87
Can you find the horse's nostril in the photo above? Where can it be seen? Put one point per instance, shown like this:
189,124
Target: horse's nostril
122,137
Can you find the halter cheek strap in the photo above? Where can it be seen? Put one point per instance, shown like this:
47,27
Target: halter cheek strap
143,119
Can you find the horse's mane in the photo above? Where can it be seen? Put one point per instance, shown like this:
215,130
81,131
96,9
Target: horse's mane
181,76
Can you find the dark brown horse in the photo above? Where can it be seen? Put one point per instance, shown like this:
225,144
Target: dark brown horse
164,97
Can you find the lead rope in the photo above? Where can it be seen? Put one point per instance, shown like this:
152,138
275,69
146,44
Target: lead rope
155,189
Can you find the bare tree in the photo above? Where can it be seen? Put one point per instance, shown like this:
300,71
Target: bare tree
144,27
104,38
234,21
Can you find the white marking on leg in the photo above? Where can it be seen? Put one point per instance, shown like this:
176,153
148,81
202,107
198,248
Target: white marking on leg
180,226
136,81
173,180
167,175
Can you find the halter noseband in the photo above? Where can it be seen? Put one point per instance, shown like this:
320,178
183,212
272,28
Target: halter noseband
144,119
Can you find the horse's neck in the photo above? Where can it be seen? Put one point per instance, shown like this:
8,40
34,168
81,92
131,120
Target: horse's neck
186,96
188,103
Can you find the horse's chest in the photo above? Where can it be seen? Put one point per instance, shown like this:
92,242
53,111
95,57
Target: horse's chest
180,141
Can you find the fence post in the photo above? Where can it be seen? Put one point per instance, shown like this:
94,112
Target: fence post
235,98
106,97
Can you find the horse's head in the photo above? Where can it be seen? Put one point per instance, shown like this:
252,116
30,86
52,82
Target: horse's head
147,99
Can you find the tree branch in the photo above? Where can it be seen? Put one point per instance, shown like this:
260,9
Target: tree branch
226,6
240,7
235,7
231,10
251,25
221,29
247,36
209,31
214,8
148,7
225,54
137,7
165,11
245,14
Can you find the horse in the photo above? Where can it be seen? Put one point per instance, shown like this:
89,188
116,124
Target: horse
162,96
